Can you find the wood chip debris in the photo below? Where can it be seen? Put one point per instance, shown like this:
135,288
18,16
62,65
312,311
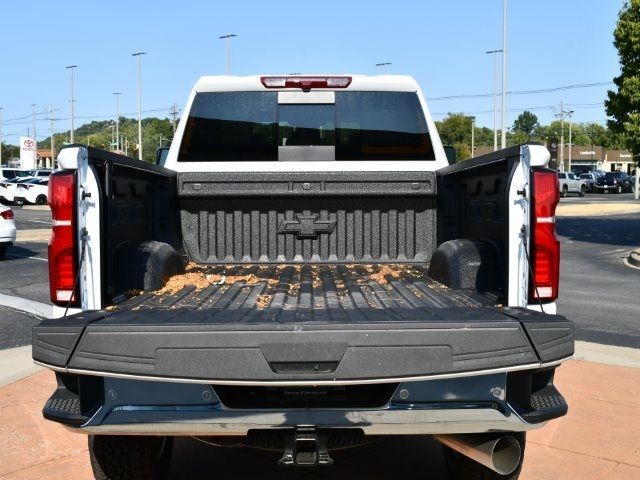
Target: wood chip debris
197,276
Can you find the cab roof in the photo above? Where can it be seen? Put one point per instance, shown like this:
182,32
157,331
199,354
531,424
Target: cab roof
228,83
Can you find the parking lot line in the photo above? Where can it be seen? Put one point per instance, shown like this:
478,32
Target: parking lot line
13,255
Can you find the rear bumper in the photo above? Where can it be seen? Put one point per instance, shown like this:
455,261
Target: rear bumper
494,341
477,404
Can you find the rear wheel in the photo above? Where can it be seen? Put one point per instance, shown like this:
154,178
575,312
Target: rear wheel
564,191
130,457
18,202
41,200
463,468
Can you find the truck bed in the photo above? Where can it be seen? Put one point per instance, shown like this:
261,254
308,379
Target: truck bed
295,324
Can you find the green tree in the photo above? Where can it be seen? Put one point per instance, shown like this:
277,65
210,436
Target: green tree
623,103
526,124
455,130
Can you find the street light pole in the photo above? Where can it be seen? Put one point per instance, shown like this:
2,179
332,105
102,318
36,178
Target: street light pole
504,74
72,68
473,136
117,95
228,38
495,96
139,55
35,137
0,136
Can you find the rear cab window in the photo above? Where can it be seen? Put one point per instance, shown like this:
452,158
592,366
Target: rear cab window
254,126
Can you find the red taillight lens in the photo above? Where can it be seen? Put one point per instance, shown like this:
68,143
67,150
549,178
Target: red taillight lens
63,266
545,247
306,83
7,214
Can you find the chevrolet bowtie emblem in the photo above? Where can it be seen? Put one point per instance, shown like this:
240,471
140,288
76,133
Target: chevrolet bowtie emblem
306,226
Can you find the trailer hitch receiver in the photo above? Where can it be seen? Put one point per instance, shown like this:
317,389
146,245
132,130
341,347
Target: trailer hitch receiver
305,447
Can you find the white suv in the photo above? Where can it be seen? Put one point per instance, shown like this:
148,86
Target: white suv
570,183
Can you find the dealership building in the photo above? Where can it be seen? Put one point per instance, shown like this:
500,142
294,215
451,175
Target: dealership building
583,158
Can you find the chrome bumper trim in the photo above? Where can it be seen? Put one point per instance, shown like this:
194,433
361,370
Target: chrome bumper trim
393,421
293,383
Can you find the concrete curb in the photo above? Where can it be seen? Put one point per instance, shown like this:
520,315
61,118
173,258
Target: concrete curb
35,207
16,364
607,354
634,258
28,306
33,235
596,209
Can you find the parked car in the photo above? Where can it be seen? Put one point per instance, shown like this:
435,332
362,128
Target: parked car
8,189
617,182
325,300
589,180
7,174
570,183
40,173
7,229
33,191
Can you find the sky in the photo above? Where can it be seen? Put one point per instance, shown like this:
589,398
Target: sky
552,43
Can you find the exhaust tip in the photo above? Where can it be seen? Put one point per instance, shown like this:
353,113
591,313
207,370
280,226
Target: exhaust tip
506,455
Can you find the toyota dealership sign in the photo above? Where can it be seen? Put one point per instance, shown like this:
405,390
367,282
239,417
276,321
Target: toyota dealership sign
27,153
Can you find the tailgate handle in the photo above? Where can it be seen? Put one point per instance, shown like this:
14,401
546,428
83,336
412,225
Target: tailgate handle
303,357
303,367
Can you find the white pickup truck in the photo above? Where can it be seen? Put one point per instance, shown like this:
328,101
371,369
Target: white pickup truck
305,271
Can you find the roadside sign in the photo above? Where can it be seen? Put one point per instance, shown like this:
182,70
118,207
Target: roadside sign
27,153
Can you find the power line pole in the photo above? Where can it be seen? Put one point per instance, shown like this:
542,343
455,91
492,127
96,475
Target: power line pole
117,95
495,96
72,68
139,55
504,75
174,114
228,38
562,114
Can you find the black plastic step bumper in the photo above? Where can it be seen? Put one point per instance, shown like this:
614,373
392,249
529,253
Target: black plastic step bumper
501,340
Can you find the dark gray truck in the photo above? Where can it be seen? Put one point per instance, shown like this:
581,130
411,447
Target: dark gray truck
305,272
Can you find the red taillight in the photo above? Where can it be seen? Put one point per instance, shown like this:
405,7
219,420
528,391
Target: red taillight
7,214
306,83
63,266
545,247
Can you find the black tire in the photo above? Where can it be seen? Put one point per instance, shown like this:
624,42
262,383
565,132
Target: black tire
130,457
3,251
619,189
564,191
583,191
18,202
41,200
463,468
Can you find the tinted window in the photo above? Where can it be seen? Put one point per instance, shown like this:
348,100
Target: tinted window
233,126
381,126
306,125
562,175
585,176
